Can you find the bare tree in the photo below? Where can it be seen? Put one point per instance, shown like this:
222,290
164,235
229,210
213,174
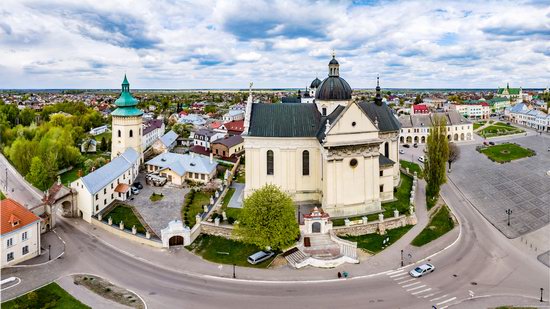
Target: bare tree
454,154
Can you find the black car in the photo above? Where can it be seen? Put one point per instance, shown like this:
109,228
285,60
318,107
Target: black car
492,143
138,185
406,145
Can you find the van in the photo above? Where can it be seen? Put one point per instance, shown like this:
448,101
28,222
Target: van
259,257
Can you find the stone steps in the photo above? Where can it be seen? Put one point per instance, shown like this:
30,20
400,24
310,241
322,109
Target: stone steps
295,256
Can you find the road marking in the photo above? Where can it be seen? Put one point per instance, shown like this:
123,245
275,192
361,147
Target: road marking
411,284
440,297
401,278
418,292
401,273
446,301
426,296
406,281
11,286
395,272
416,287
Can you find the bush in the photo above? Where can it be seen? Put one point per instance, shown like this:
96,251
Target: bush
214,215
230,220
186,222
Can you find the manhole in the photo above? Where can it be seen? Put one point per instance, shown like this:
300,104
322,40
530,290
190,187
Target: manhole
473,283
455,275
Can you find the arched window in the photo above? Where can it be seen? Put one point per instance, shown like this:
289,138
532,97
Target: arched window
131,133
119,134
270,162
305,163
386,150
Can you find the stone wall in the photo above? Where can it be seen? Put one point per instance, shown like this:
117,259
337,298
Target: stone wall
375,226
220,230
153,242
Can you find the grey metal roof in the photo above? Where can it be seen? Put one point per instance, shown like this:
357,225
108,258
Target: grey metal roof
315,83
230,141
333,88
381,113
385,161
103,176
169,138
183,163
426,120
331,118
151,125
284,120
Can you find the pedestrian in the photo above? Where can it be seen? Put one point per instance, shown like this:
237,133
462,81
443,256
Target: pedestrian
345,274
339,275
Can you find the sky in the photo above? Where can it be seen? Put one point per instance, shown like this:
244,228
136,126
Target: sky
172,44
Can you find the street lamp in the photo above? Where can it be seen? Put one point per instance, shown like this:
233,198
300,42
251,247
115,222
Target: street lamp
49,252
508,212
401,257
541,290
234,272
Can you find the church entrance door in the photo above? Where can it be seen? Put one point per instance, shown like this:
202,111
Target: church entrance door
316,227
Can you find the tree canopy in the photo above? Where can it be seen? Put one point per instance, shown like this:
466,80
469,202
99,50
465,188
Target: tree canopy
268,219
436,158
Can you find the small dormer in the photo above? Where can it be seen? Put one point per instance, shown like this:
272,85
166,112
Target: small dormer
14,220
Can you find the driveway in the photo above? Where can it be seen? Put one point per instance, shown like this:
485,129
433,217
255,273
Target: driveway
237,198
158,214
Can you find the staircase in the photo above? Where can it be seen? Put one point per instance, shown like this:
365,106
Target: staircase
322,247
295,257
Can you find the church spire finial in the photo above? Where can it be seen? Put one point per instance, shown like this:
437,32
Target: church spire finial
378,98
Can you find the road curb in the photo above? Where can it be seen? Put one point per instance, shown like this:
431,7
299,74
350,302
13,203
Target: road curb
44,263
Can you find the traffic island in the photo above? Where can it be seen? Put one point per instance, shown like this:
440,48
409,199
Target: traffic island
440,223
109,291
504,153
48,296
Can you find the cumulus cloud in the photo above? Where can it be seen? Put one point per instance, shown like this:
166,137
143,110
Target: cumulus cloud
226,44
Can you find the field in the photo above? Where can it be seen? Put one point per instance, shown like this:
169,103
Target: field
507,152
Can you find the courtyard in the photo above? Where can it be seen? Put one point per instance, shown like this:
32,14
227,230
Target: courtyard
520,185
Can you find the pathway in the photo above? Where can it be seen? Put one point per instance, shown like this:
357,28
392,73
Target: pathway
237,198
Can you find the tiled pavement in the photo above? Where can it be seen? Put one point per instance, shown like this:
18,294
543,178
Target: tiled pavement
521,185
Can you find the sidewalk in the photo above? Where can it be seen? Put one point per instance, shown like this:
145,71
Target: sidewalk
51,246
193,265
86,296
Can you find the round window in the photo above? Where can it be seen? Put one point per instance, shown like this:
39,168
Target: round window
353,163
353,124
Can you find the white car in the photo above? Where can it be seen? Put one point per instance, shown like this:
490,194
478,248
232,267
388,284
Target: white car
134,190
401,151
421,159
422,270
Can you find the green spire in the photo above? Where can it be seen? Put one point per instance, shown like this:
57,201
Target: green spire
125,81
126,103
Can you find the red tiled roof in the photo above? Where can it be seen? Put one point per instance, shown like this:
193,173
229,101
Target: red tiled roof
420,107
484,104
11,211
216,124
237,125
122,188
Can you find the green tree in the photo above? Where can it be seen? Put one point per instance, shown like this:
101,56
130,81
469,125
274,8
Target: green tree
418,99
11,112
26,116
268,219
103,146
210,109
182,129
436,158
21,153
40,175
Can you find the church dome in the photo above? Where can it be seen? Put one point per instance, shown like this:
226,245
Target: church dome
315,83
333,88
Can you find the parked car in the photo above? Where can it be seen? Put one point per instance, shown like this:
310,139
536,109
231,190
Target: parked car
134,190
548,148
492,143
259,257
138,185
485,143
401,151
415,145
421,159
422,270
406,145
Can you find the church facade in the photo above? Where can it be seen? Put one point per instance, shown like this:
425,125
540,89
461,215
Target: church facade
335,153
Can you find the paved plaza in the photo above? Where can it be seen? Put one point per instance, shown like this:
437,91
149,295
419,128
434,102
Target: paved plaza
521,185
158,214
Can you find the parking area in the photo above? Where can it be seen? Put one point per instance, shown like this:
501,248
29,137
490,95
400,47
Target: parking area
158,214
521,186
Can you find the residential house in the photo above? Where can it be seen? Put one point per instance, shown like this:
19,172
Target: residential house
98,130
166,143
228,146
233,115
180,167
194,119
20,233
204,137
525,115
473,109
152,130
420,109
233,127
416,128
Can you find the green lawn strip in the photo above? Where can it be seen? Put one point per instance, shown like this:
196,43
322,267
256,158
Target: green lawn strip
70,175
225,251
507,152
201,198
108,135
373,242
440,223
413,167
232,213
403,196
227,197
126,215
156,197
478,125
49,296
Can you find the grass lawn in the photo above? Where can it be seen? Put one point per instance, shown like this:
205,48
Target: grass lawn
156,197
440,223
478,124
507,152
201,198
71,175
403,196
413,167
373,242
49,296
126,215
225,251
499,129
108,135
227,197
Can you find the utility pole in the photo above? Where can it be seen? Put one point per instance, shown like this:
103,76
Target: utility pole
508,212
401,257
541,290
234,272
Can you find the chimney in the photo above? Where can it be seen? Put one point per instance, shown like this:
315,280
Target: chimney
211,158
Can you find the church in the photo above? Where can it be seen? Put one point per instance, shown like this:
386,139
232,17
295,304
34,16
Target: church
335,153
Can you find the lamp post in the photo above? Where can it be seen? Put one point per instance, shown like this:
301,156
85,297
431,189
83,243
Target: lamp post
234,272
49,252
541,290
401,257
508,212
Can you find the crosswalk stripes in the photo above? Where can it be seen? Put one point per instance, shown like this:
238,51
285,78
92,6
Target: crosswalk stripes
415,287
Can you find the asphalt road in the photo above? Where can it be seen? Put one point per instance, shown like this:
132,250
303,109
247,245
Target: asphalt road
17,188
483,261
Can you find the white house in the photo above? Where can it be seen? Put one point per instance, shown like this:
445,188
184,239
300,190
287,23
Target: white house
152,130
524,115
110,182
98,130
204,137
194,119
20,234
166,142
473,111
180,167
233,115
416,128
